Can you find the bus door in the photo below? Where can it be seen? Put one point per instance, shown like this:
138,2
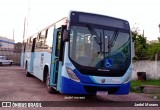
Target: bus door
57,56
32,55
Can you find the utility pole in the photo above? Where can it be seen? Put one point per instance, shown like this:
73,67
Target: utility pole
26,19
143,32
24,30
13,34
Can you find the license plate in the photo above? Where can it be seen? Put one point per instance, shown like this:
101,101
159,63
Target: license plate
102,93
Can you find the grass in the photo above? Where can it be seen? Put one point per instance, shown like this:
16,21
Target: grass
136,83
135,86
148,82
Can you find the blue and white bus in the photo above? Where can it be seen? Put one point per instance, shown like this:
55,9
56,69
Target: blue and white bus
81,54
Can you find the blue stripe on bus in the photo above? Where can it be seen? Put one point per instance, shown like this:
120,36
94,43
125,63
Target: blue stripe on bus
83,78
7,42
124,89
71,87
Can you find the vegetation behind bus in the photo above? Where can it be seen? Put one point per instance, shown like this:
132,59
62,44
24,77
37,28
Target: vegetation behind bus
145,50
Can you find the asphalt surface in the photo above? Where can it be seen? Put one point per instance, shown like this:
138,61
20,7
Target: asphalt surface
15,86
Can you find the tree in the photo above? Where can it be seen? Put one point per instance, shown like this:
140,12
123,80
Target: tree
144,49
140,44
159,39
153,48
18,47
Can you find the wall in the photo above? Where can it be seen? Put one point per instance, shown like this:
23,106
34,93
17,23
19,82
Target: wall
6,43
7,48
152,69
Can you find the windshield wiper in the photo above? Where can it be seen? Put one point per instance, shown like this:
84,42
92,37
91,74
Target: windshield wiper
113,40
97,38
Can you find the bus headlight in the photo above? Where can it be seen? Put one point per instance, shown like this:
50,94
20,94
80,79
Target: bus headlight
72,75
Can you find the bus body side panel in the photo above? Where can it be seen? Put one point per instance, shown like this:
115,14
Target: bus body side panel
59,77
27,60
41,59
23,52
22,59
31,62
46,62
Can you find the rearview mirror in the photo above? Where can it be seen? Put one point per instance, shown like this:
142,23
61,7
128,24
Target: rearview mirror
65,35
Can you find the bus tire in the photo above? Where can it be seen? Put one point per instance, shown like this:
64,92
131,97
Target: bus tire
11,64
50,90
27,73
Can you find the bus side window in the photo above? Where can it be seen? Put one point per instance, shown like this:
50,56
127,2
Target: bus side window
33,45
58,43
45,44
30,44
49,39
37,42
27,45
24,47
40,41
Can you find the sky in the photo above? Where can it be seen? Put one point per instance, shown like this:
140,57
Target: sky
143,14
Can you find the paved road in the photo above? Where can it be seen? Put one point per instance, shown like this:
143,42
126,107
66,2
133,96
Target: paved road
15,86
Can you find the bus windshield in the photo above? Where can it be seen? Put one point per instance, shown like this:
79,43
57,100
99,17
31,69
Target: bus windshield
100,48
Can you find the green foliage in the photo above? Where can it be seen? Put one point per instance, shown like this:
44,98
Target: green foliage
135,84
154,48
144,50
140,44
159,39
148,82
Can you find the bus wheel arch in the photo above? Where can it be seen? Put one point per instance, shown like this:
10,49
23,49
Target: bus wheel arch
46,76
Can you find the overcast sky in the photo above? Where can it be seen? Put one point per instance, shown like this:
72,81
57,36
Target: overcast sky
40,13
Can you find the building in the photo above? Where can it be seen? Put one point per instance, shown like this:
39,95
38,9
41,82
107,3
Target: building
6,43
7,48
10,49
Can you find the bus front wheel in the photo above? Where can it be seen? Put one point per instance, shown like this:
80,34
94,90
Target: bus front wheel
50,90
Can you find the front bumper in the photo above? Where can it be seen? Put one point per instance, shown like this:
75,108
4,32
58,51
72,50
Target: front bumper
71,87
